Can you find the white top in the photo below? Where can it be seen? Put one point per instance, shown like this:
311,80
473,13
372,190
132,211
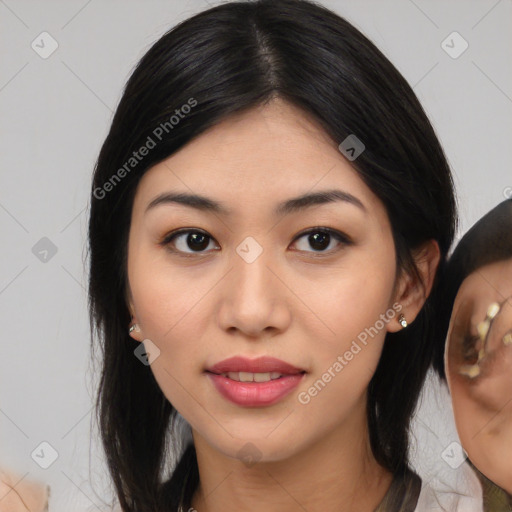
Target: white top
448,481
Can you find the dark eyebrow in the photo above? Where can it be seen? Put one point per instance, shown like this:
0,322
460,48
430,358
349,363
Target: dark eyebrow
317,198
291,205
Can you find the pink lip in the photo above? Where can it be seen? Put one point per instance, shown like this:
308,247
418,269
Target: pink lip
260,365
255,394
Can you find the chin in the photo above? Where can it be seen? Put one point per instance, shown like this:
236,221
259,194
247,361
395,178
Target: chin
253,446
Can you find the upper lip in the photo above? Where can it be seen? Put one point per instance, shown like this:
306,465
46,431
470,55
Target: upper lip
263,364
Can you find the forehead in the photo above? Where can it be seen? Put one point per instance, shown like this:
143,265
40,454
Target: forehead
275,118
268,140
269,152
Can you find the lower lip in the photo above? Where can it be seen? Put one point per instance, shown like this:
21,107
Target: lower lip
255,394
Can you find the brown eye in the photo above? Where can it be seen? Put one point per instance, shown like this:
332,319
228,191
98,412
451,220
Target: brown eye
188,241
322,238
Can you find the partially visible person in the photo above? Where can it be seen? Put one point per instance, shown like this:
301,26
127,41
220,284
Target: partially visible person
476,357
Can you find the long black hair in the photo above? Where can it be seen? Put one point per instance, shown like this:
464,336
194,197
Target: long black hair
488,241
222,61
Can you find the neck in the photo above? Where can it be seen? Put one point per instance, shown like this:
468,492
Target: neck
337,472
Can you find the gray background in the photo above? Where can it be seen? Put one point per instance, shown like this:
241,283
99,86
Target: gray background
54,115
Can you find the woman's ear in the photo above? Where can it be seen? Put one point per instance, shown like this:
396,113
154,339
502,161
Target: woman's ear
413,290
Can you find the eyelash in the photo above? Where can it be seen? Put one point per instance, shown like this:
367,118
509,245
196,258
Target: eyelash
343,240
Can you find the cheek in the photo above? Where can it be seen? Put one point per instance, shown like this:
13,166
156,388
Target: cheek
165,295
171,309
355,302
357,308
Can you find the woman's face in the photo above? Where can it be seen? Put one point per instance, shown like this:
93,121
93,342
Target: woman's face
245,278
482,393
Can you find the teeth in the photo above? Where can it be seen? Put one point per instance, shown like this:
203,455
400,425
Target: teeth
252,377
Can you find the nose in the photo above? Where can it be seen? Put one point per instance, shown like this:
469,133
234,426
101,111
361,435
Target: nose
254,298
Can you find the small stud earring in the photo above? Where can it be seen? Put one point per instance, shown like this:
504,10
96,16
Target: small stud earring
402,321
134,327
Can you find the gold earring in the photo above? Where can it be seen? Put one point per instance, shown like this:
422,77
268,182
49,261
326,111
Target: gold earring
402,321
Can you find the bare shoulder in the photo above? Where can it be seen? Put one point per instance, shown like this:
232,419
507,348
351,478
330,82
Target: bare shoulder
19,493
